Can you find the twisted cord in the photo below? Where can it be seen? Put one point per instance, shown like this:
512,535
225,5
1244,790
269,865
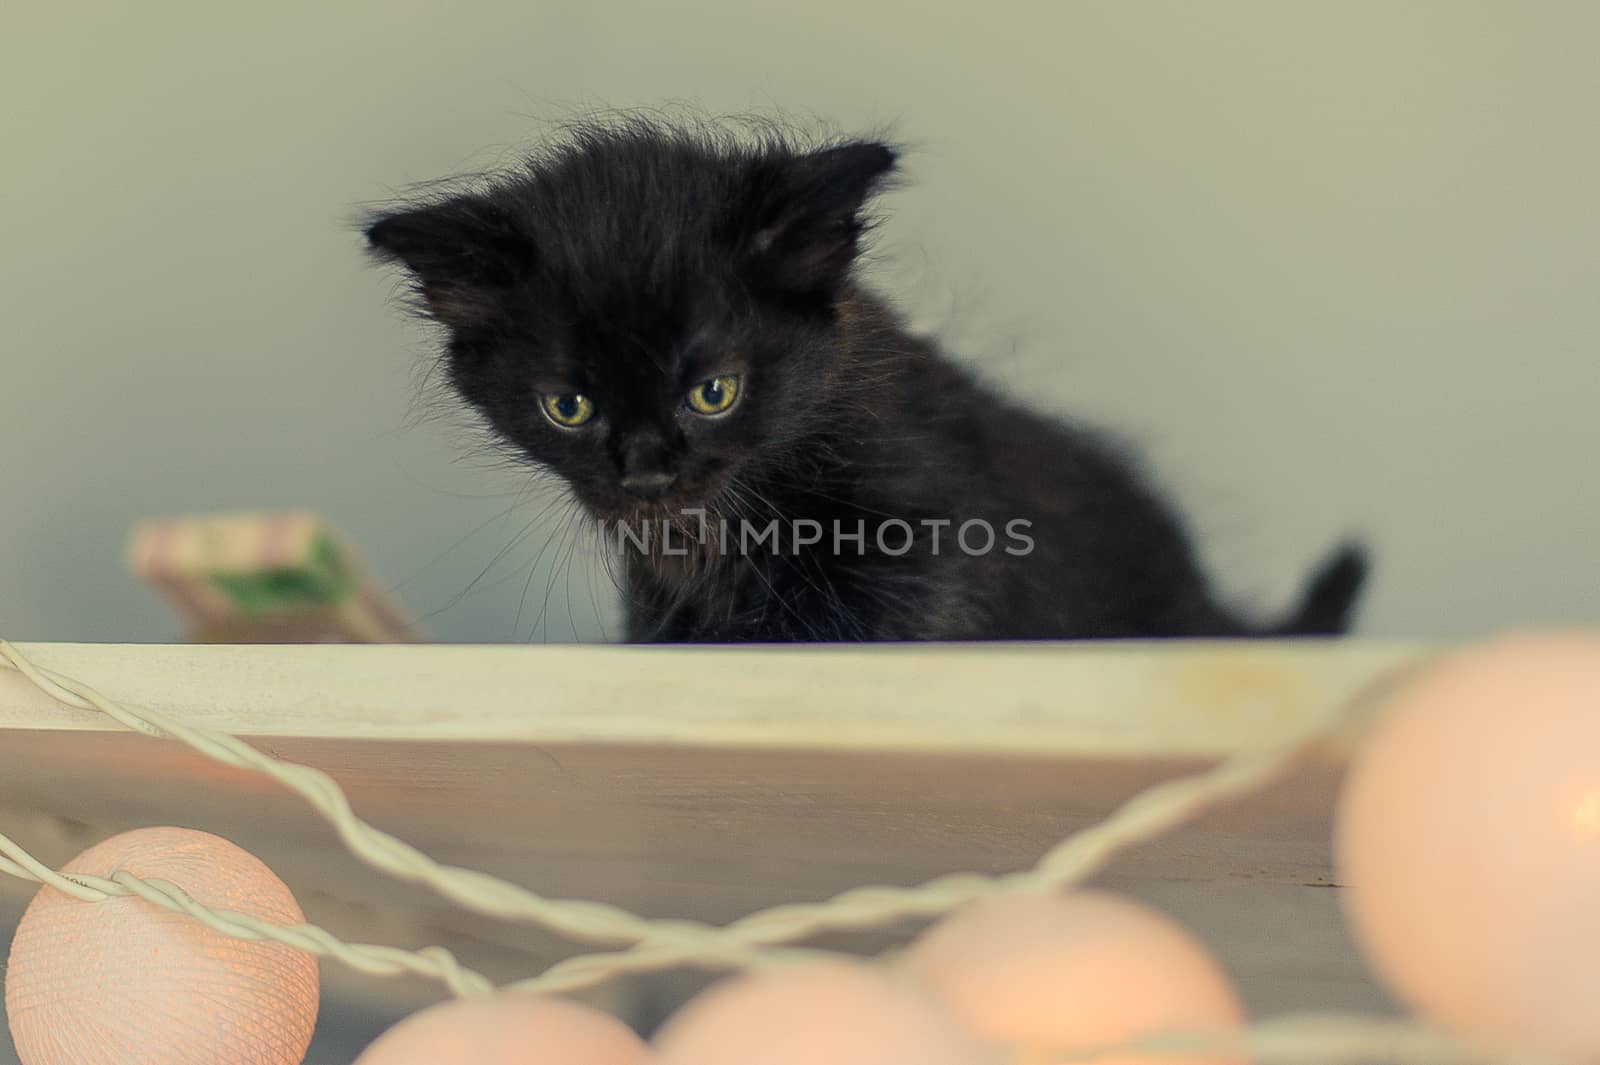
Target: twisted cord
480,892
1146,815
434,963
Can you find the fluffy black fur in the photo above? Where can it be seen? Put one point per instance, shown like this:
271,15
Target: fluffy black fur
634,260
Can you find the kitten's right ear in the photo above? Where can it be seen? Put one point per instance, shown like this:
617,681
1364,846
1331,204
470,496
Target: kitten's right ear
801,221
464,254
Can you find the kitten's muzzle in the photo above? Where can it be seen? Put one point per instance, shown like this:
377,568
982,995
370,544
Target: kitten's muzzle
648,485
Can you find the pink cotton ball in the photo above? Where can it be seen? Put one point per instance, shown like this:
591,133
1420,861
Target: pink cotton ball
508,1029
1063,972
838,1013
124,982
1468,836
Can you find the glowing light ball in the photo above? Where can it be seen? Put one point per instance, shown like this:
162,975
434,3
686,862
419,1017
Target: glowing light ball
508,1030
839,1013
123,982
1074,971
1468,834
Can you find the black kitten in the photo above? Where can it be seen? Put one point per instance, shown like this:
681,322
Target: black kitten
668,319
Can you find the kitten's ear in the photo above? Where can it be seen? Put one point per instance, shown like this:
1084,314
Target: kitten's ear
802,223
464,254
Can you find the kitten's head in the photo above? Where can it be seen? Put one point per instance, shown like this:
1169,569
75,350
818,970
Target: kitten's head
646,311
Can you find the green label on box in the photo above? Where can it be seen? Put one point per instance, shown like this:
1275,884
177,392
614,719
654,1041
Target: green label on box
322,581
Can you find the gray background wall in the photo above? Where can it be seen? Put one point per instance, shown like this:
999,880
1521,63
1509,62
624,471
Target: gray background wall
1335,265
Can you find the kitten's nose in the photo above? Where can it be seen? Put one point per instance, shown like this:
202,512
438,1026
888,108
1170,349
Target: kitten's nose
648,485
645,460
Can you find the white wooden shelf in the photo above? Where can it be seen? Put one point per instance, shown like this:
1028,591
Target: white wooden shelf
710,782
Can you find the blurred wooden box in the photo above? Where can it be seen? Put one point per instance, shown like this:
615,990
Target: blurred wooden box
710,782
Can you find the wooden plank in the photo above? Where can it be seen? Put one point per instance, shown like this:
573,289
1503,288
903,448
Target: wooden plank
708,783
1128,700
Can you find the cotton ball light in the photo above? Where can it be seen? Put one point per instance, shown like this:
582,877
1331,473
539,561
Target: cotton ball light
508,1030
124,982
841,1013
1468,836
1077,971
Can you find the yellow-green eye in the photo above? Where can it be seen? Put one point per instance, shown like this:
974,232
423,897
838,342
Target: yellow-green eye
567,409
714,396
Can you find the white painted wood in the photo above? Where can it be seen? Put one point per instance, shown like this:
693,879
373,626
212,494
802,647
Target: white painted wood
710,782
1132,700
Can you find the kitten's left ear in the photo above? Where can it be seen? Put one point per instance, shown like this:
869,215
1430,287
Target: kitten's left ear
465,255
802,215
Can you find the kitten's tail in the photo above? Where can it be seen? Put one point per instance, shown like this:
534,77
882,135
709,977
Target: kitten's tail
1330,596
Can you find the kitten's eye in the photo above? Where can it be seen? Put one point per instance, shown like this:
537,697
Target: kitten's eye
567,409
714,396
